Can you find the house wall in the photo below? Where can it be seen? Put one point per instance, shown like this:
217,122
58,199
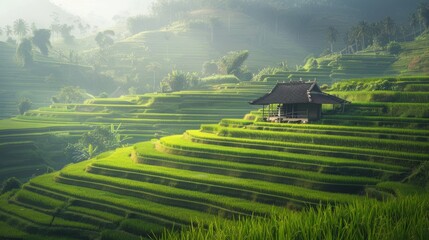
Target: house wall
314,111
301,110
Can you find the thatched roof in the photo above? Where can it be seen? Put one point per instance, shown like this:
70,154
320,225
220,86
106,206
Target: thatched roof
297,92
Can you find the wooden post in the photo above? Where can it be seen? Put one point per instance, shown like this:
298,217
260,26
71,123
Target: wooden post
263,112
293,110
308,106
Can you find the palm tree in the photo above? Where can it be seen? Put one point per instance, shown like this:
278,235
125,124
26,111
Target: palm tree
41,40
423,13
414,22
8,30
332,36
354,37
389,27
153,67
362,31
20,27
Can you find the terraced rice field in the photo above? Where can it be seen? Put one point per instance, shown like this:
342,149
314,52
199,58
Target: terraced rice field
221,172
339,67
46,131
231,169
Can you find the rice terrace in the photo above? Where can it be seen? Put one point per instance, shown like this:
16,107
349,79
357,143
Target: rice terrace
220,119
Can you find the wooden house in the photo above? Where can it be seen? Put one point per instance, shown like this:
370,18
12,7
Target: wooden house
295,101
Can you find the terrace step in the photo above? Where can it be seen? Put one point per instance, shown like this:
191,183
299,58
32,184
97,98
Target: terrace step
258,175
192,204
274,158
393,158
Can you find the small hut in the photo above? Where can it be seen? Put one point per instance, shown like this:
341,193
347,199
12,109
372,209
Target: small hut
295,101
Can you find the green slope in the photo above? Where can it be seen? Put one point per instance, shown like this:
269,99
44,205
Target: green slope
233,169
186,44
48,129
412,60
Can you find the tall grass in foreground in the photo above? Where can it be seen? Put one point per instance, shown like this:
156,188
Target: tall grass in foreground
405,218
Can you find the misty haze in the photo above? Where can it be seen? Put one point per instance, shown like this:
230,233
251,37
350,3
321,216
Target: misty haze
214,119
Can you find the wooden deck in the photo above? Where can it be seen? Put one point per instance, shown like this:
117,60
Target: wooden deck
283,119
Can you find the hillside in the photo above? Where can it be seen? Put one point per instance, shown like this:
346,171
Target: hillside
232,169
41,81
188,43
47,130
412,60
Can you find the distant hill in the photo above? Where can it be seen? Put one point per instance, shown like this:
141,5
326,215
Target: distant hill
37,11
412,60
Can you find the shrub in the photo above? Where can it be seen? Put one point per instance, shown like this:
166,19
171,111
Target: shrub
70,94
100,139
24,105
219,79
178,80
394,48
232,63
210,68
10,184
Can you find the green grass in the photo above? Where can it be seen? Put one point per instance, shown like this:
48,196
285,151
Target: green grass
125,184
382,133
390,157
38,200
147,152
177,142
9,232
232,170
365,142
395,219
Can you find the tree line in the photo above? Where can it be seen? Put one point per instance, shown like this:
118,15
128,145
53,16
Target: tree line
382,32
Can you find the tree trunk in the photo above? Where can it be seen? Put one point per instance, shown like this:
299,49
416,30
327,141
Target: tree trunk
332,47
154,76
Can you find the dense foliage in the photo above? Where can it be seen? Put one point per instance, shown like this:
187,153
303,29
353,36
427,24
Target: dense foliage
94,142
105,39
70,94
41,39
394,48
10,184
24,105
178,80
